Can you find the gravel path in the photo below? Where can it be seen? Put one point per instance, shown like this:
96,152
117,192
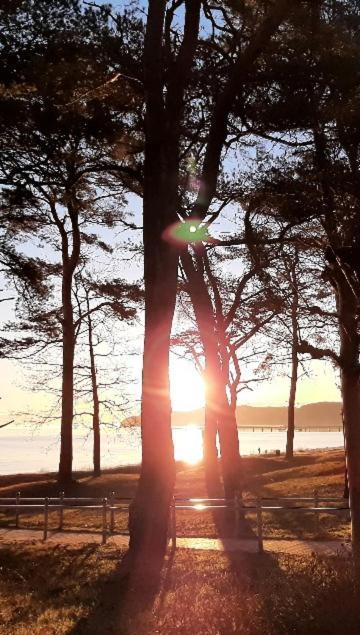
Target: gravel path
291,547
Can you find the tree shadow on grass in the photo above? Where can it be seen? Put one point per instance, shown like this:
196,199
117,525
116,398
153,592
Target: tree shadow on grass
167,577
225,519
107,616
122,601
254,565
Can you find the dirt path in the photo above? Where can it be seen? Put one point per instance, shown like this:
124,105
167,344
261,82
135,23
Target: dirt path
291,547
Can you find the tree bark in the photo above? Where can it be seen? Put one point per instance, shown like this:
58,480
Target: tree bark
69,264
211,463
220,416
67,401
229,444
202,306
291,406
350,389
294,368
149,516
95,398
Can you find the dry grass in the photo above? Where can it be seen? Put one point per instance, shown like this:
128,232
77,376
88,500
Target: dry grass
53,590
47,590
267,476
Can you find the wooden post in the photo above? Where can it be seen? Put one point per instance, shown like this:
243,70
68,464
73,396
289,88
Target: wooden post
259,525
316,504
104,521
61,511
46,518
17,511
112,513
173,524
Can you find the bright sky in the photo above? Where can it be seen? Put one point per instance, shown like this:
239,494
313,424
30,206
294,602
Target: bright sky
186,385
187,390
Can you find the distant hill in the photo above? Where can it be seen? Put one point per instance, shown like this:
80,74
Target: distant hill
312,415
323,414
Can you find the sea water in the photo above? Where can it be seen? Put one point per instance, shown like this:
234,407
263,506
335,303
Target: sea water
39,452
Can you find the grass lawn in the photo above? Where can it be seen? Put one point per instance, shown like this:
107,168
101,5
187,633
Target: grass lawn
50,590
267,476
47,590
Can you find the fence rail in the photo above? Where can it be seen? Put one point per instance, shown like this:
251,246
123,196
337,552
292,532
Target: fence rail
113,504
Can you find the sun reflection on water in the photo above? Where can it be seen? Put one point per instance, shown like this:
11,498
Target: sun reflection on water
188,444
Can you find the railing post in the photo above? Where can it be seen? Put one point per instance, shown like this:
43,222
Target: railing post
259,525
61,511
237,513
112,513
17,511
104,521
46,518
316,504
173,523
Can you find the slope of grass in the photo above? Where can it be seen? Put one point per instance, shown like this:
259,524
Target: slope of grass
53,590
267,476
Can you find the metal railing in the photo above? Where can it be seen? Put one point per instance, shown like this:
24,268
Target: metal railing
61,503
110,506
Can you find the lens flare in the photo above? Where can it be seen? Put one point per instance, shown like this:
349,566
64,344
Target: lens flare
187,232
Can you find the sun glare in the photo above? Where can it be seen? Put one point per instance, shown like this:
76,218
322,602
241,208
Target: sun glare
188,444
187,387
187,394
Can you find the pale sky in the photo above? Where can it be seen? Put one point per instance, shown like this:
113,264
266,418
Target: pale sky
186,388
186,384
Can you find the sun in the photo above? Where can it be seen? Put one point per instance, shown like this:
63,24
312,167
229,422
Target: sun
187,387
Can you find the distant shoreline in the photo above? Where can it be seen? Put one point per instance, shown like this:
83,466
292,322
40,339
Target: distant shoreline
6,480
259,427
313,416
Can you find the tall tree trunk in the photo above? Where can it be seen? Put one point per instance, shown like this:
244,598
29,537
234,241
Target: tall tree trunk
351,405
164,113
294,373
350,389
202,306
291,406
229,444
220,417
211,463
148,518
212,476
149,515
69,264
67,402
346,480
95,398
